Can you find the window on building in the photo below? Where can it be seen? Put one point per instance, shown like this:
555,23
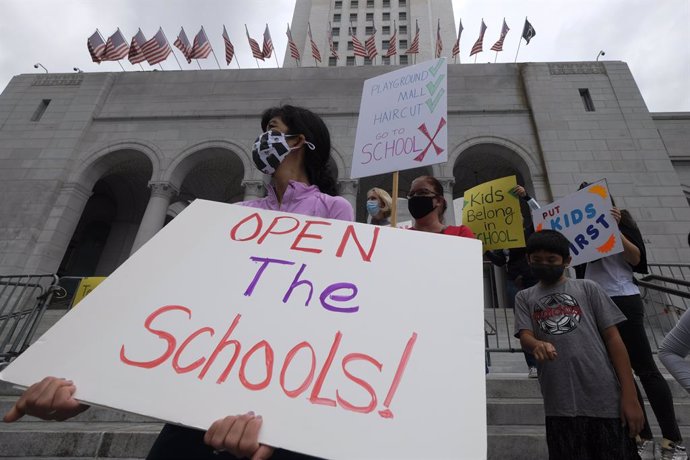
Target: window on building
402,16
403,59
350,46
40,110
338,4
386,3
350,60
403,44
370,3
402,2
402,30
386,30
367,61
332,62
335,31
354,4
336,17
353,30
386,60
335,46
384,44
353,17
587,99
369,30
370,16
386,16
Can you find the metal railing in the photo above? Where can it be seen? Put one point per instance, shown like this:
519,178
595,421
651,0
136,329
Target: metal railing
23,300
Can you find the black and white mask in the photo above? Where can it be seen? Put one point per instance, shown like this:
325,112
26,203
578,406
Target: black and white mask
270,149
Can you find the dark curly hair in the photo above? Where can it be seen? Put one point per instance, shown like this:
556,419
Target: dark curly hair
303,121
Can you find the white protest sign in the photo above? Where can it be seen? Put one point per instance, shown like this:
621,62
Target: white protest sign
325,328
585,219
402,120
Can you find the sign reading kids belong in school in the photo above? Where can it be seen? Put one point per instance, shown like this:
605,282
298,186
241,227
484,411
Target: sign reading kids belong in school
288,316
492,212
402,120
584,217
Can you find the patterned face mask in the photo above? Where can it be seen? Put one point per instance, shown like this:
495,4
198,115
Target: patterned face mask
270,149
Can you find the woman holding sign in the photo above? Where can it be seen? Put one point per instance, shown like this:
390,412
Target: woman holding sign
427,206
294,150
615,274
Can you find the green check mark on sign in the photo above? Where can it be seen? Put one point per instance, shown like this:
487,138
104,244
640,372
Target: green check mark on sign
432,103
432,86
435,68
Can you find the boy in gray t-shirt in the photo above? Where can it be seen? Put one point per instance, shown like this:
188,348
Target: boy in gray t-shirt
584,371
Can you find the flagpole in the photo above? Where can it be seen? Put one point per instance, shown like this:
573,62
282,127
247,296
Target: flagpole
142,67
123,69
215,57
519,43
161,66
178,62
475,58
197,63
496,57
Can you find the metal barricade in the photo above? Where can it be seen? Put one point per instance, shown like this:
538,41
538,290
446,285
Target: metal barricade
23,300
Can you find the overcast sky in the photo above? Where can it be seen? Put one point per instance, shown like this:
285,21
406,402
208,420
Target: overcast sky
652,36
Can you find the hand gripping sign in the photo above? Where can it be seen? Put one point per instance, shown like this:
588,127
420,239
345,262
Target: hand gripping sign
584,217
402,120
325,328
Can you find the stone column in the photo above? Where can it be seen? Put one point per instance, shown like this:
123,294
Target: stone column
154,216
448,183
253,189
348,190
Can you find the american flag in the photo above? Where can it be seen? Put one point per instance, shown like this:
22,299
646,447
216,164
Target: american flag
314,49
229,49
256,51
477,48
439,42
156,49
456,47
294,52
393,42
136,55
498,46
414,46
182,43
116,47
357,45
268,44
331,45
96,46
370,43
202,47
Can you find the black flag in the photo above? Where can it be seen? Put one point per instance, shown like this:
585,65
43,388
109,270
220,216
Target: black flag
528,32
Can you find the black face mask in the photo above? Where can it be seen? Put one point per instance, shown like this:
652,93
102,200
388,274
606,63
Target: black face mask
549,274
420,206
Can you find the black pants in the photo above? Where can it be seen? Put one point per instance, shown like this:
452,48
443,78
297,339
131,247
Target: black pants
655,386
591,438
181,443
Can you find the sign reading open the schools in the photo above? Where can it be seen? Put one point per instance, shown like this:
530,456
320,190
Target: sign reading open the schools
584,217
492,212
288,316
402,120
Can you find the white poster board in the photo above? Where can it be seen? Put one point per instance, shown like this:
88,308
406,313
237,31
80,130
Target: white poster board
584,217
402,120
380,360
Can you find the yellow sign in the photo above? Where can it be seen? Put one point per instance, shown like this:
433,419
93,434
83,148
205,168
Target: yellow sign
86,285
493,214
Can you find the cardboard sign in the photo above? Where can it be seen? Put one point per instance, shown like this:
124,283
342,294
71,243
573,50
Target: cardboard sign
402,120
493,214
585,219
231,309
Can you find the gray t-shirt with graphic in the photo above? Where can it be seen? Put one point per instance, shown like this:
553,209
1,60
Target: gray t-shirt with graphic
572,315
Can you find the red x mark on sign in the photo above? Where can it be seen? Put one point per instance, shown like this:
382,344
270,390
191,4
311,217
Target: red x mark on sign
425,131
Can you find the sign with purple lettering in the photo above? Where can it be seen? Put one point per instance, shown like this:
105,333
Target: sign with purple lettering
585,219
402,120
327,329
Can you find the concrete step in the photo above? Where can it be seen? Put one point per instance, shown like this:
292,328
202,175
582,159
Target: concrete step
74,439
94,414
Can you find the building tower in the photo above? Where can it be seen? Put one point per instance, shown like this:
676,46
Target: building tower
363,16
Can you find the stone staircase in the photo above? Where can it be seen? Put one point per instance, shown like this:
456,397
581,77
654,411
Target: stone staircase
514,412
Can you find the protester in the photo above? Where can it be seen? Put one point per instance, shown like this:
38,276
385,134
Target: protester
427,206
518,274
586,381
294,150
379,206
674,349
615,275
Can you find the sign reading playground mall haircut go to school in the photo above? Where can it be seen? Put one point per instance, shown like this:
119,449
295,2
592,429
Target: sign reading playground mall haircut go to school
492,212
402,120
327,329
585,219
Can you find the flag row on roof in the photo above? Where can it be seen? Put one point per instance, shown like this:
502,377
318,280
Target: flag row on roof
157,49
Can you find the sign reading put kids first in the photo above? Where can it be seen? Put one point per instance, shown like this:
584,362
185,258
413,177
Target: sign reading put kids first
402,120
231,309
585,219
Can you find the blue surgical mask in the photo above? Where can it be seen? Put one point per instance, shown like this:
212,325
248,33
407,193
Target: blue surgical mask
373,208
